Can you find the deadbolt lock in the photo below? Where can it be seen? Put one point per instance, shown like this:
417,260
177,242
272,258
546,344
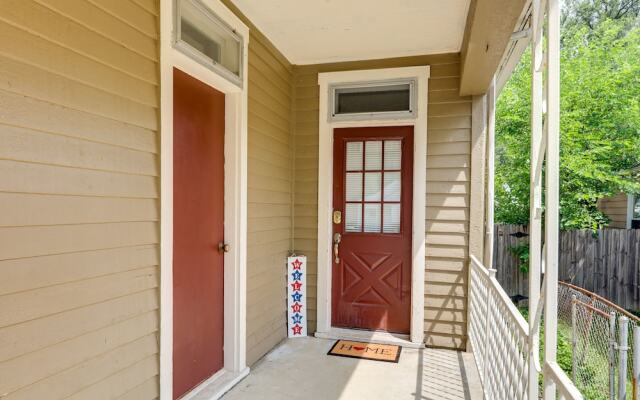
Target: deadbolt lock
337,217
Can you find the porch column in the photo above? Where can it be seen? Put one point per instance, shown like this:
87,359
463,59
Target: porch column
478,182
491,133
552,191
535,198
477,187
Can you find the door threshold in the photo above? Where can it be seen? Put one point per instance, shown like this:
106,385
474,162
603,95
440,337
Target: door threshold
397,339
216,386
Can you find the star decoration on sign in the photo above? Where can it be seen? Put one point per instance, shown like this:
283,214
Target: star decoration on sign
297,307
296,286
296,264
297,319
297,329
297,275
296,296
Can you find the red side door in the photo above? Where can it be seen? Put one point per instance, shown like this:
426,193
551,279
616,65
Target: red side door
198,227
372,192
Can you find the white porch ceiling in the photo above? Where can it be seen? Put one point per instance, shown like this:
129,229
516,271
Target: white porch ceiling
321,31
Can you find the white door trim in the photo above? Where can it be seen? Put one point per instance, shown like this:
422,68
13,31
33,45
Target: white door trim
235,213
325,184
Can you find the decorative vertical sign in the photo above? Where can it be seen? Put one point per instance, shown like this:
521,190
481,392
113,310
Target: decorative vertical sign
296,296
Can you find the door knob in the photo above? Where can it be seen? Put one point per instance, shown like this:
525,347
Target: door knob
337,238
223,247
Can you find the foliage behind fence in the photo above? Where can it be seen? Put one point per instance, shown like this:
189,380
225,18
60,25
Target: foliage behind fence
606,262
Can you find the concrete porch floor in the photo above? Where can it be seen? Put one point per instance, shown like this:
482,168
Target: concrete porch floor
301,369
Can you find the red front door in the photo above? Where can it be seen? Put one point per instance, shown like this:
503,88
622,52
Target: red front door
372,199
198,222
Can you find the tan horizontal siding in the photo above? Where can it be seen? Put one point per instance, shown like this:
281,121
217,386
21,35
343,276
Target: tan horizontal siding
40,84
615,208
26,209
42,53
79,187
270,185
147,389
58,28
129,13
447,187
27,337
99,21
21,144
40,115
447,214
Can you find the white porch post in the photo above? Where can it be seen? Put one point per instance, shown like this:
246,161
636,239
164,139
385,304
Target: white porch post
552,191
535,202
491,133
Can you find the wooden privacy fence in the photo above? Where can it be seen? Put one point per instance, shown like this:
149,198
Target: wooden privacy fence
606,262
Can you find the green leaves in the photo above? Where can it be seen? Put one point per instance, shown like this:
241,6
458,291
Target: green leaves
599,122
522,252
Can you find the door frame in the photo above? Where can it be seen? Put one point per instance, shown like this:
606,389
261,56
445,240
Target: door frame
325,198
235,200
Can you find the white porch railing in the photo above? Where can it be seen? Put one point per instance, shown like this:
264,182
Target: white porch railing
498,335
499,339
564,387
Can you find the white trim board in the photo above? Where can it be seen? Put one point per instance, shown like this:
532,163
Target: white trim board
325,184
235,199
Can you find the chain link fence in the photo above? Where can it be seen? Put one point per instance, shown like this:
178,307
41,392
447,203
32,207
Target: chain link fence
604,358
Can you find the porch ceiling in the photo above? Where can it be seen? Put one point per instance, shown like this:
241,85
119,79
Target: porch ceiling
314,31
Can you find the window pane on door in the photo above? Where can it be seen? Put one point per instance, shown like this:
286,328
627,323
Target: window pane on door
353,183
372,217
391,218
354,156
373,155
392,186
392,154
353,217
372,186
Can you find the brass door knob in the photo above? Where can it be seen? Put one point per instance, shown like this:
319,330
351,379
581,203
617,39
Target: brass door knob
223,247
337,238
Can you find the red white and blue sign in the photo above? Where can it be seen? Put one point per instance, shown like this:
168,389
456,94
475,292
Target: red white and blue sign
297,296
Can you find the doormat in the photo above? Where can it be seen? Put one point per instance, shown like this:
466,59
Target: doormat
367,351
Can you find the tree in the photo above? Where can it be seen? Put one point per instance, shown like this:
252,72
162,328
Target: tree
600,117
513,141
590,13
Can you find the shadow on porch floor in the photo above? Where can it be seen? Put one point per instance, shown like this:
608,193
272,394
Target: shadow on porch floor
301,369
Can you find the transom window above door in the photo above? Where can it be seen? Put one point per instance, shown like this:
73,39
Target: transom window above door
393,99
373,180
203,36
